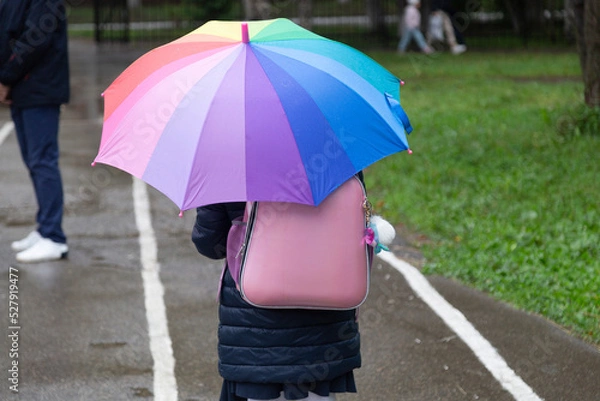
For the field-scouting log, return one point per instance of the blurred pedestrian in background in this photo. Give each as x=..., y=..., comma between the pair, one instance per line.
x=411, y=28
x=442, y=29
x=34, y=81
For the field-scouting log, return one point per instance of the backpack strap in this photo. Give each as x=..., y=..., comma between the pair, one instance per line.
x=236, y=244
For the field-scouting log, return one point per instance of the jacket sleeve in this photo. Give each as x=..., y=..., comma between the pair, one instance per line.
x=412, y=17
x=212, y=226
x=42, y=19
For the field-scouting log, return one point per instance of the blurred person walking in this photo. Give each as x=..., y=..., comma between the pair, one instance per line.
x=34, y=81
x=411, y=28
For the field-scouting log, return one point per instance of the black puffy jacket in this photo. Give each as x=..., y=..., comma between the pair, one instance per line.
x=34, y=51
x=256, y=345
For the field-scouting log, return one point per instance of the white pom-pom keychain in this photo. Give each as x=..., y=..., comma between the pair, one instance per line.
x=380, y=233
x=386, y=232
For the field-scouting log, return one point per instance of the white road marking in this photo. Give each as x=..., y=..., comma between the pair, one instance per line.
x=5, y=131
x=482, y=348
x=165, y=384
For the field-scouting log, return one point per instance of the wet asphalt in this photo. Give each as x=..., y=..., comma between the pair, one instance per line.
x=82, y=332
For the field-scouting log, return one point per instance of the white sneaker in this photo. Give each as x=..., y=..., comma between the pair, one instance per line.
x=43, y=250
x=26, y=242
x=458, y=49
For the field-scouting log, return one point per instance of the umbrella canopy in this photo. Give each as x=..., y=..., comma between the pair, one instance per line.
x=251, y=111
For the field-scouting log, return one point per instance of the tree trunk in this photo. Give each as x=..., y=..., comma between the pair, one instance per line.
x=305, y=13
x=134, y=3
x=425, y=13
x=515, y=15
x=376, y=16
x=248, y=9
x=400, y=4
x=534, y=12
x=569, y=22
x=588, y=44
x=591, y=35
x=257, y=9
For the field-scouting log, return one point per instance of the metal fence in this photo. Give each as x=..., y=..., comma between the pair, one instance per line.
x=362, y=23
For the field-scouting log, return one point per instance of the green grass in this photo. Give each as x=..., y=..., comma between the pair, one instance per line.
x=508, y=205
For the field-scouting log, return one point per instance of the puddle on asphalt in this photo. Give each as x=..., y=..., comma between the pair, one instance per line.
x=142, y=392
x=108, y=344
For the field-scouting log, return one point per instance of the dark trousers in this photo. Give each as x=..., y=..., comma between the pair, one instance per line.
x=37, y=133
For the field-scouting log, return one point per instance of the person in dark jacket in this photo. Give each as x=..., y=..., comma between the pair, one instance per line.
x=34, y=81
x=275, y=354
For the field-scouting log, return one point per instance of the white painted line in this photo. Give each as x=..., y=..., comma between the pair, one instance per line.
x=5, y=131
x=165, y=385
x=482, y=348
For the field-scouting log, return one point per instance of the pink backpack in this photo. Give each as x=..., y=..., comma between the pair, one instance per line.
x=288, y=255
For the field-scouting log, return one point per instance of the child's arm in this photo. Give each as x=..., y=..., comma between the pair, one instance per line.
x=212, y=226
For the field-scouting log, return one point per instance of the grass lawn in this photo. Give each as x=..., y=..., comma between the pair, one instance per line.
x=507, y=204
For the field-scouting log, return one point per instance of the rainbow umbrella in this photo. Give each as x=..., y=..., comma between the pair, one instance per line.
x=251, y=111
